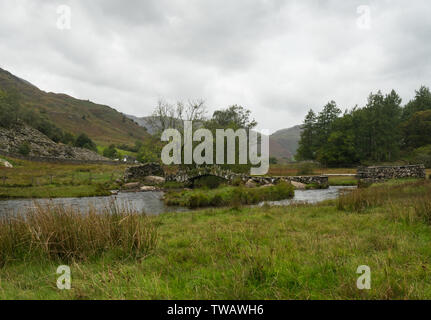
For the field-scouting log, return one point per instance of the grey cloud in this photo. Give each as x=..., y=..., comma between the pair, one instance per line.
x=279, y=58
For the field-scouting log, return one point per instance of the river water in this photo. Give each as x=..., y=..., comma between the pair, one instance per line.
x=150, y=202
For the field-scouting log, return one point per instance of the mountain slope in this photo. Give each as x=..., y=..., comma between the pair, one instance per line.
x=284, y=143
x=145, y=122
x=101, y=123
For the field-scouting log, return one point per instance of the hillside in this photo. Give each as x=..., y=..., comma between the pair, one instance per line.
x=101, y=123
x=284, y=143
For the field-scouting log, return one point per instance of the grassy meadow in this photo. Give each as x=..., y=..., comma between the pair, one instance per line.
x=295, y=252
x=29, y=179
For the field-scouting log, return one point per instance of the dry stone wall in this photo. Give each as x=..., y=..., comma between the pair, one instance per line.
x=383, y=173
x=138, y=173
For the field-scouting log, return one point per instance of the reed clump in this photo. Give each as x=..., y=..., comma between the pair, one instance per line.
x=65, y=234
x=404, y=195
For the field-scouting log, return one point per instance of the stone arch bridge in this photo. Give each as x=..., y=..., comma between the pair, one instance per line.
x=188, y=175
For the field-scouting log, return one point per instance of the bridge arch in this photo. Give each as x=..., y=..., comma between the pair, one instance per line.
x=189, y=175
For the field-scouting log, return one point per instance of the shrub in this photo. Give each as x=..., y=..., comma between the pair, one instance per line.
x=83, y=141
x=209, y=181
x=24, y=149
x=110, y=152
x=306, y=168
x=237, y=181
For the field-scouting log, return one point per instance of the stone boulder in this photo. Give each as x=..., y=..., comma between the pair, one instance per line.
x=298, y=185
x=154, y=180
x=148, y=188
x=5, y=163
x=250, y=184
x=132, y=185
x=139, y=173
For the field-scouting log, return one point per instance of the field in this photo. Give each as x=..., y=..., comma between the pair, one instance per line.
x=49, y=180
x=296, y=252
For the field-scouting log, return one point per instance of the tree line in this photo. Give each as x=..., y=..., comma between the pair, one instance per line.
x=382, y=131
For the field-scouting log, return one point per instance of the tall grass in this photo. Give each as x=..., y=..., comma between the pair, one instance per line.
x=65, y=234
x=399, y=194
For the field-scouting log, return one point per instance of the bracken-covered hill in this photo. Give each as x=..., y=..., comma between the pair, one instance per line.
x=101, y=123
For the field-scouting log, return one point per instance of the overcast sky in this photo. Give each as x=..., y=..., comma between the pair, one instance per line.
x=277, y=58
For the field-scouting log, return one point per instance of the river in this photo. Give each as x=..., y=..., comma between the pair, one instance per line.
x=151, y=202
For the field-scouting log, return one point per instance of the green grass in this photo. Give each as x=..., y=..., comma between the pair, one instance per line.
x=53, y=191
x=342, y=181
x=121, y=152
x=296, y=252
x=228, y=196
x=51, y=180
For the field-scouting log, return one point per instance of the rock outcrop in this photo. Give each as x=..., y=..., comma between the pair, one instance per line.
x=154, y=180
x=12, y=140
x=298, y=185
x=5, y=163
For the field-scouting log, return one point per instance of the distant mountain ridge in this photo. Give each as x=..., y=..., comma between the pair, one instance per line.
x=101, y=123
x=285, y=142
x=146, y=122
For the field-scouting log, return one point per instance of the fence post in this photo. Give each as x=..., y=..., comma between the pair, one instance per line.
x=91, y=177
x=4, y=180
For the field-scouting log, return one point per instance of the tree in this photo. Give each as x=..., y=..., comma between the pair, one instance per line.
x=24, y=149
x=234, y=117
x=324, y=122
x=83, y=141
x=110, y=152
x=149, y=151
x=421, y=102
x=417, y=130
x=9, y=108
x=169, y=116
x=306, y=149
x=378, y=135
x=273, y=160
x=339, y=150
